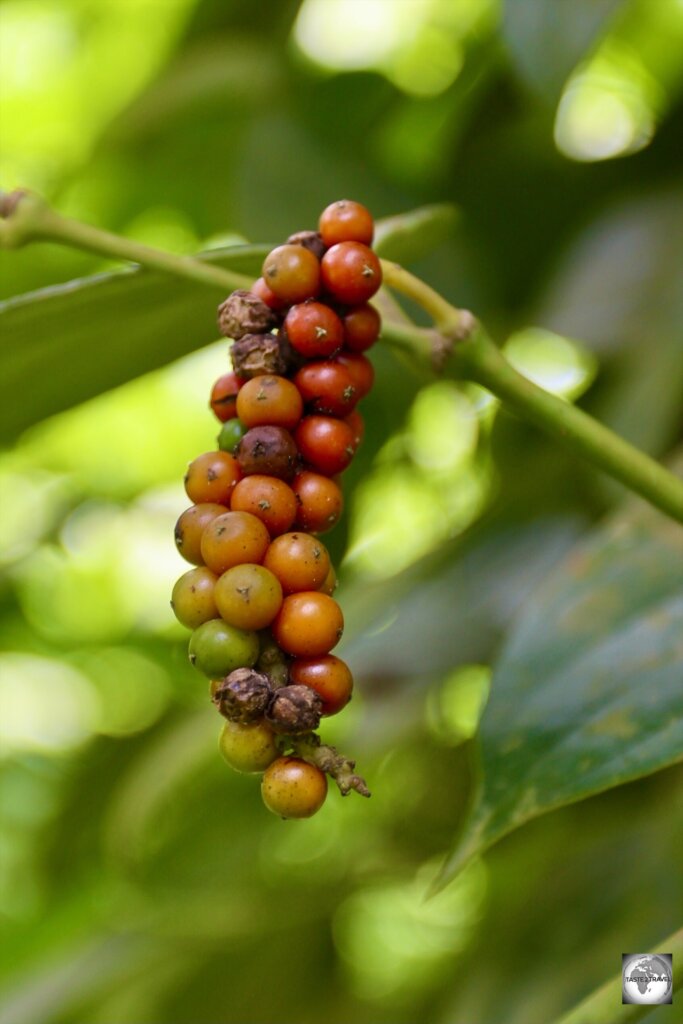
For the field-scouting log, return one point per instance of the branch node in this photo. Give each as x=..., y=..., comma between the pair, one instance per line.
x=440, y=350
x=463, y=327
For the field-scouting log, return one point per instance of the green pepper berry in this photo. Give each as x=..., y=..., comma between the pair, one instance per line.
x=216, y=648
x=230, y=435
x=248, y=748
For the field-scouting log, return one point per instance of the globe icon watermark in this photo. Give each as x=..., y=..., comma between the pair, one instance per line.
x=647, y=978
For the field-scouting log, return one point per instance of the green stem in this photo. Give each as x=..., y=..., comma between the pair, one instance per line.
x=479, y=360
x=25, y=217
x=33, y=220
x=446, y=317
x=604, y=1006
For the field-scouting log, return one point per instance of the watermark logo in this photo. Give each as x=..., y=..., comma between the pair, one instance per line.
x=647, y=978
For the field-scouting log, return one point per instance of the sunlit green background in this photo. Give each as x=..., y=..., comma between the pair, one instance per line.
x=142, y=881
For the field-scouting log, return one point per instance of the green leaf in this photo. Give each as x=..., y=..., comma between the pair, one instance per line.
x=409, y=236
x=468, y=595
x=587, y=692
x=629, y=313
x=64, y=344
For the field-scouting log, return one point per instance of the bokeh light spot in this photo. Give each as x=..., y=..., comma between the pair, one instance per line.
x=395, y=943
x=608, y=107
x=416, y=44
x=555, y=363
x=454, y=708
x=47, y=705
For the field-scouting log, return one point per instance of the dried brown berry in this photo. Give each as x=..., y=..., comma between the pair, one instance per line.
x=243, y=696
x=268, y=450
x=310, y=240
x=257, y=354
x=244, y=313
x=294, y=710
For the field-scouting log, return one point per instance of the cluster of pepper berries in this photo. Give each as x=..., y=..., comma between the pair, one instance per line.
x=259, y=600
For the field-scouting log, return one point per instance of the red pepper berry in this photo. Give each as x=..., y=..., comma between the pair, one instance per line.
x=314, y=330
x=266, y=294
x=223, y=399
x=361, y=327
x=361, y=369
x=346, y=221
x=319, y=499
x=351, y=272
x=327, y=387
x=328, y=676
x=325, y=443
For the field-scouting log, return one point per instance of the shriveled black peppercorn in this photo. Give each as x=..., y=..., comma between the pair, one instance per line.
x=257, y=354
x=244, y=313
x=243, y=696
x=294, y=710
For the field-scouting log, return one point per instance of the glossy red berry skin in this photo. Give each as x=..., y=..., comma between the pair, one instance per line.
x=346, y=221
x=261, y=290
x=357, y=424
x=329, y=676
x=327, y=387
x=351, y=273
x=320, y=501
x=362, y=325
x=314, y=330
x=325, y=443
x=223, y=399
x=361, y=370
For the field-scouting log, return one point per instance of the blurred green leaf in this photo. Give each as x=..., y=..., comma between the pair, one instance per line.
x=409, y=236
x=618, y=289
x=243, y=68
x=67, y=343
x=586, y=694
x=547, y=38
x=466, y=600
x=101, y=962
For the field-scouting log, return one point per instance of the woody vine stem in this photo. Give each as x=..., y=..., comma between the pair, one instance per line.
x=457, y=343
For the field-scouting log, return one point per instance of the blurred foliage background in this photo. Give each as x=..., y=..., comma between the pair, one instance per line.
x=142, y=881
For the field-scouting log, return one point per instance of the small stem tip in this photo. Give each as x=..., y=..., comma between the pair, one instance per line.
x=329, y=760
